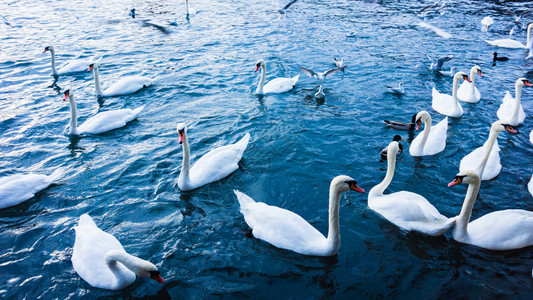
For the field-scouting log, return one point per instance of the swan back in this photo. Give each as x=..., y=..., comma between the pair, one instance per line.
x=15, y=189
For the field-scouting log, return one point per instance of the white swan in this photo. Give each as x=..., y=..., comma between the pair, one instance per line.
x=287, y=230
x=510, y=43
x=500, y=230
x=511, y=111
x=101, y=122
x=486, y=159
x=446, y=104
x=213, y=166
x=432, y=140
x=486, y=22
x=15, y=189
x=468, y=91
x=404, y=209
x=190, y=10
x=125, y=86
x=276, y=85
x=73, y=66
x=100, y=259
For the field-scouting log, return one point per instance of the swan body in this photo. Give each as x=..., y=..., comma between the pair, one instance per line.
x=432, y=140
x=101, y=122
x=15, y=189
x=500, y=230
x=404, y=209
x=446, y=104
x=486, y=159
x=287, y=230
x=73, y=66
x=213, y=166
x=276, y=85
x=511, y=111
x=468, y=91
x=124, y=86
x=100, y=259
x=512, y=44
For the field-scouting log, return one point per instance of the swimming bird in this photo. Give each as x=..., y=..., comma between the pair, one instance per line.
x=321, y=76
x=101, y=122
x=511, y=111
x=396, y=138
x=73, y=66
x=402, y=125
x=339, y=62
x=485, y=160
x=276, y=85
x=448, y=73
x=486, y=22
x=17, y=188
x=468, y=91
x=132, y=13
x=320, y=93
x=446, y=104
x=287, y=230
x=432, y=140
x=396, y=90
x=282, y=10
x=499, y=230
x=498, y=58
x=100, y=260
x=124, y=86
x=404, y=209
x=436, y=64
x=212, y=166
x=436, y=7
x=513, y=44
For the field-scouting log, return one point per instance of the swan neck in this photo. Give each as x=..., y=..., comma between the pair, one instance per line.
x=262, y=80
x=391, y=166
x=425, y=133
x=486, y=153
x=461, y=223
x=184, y=174
x=529, y=41
x=454, y=91
x=73, y=115
x=334, y=237
x=53, y=54
x=187, y=6
x=97, y=86
x=518, y=96
x=132, y=263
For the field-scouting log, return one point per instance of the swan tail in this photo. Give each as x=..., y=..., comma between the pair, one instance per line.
x=244, y=200
x=86, y=220
x=58, y=174
x=243, y=143
x=295, y=79
x=137, y=111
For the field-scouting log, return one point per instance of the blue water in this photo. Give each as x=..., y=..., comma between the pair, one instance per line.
x=125, y=179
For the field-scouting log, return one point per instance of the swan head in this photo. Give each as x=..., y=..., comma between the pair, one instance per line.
x=343, y=183
x=468, y=177
x=92, y=66
x=523, y=81
x=182, y=131
x=461, y=75
x=477, y=69
x=49, y=48
x=66, y=95
x=150, y=271
x=421, y=117
x=499, y=126
x=260, y=64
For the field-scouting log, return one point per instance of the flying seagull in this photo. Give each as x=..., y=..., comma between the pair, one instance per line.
x=437, y=64
x=282, y=11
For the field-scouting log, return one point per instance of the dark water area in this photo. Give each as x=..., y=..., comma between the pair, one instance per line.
x=204, y=69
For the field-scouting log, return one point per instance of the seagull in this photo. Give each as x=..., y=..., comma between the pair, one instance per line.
x=437, y=64
x=450, y=73
x=438, y=5
x=396, y=91
x=486, y=22
x=496, y=58
x=339, y=63
x=320, y=94
x=321, y=76
x=282, y=10
x=144, y=22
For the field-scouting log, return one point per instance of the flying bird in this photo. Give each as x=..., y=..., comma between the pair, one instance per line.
x=436, y=64
x=282, y=10
x=320, y=77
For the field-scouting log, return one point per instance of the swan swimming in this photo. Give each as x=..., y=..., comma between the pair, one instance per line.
x=468, y=91
x=17, y=188
x=446, y=104
x=513, y=44
x=73, y=66
x=276, y=85
x=511, y=111
x=432, y=140
x=124, y=86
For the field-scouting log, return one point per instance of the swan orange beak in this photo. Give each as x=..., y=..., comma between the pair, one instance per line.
x=510, y=129
x=418, y=124
x=181, y=136
x=257, y=68
x=67, y=92
x=155, y=276
x=465, y=77
x=355, y=187
x=528, y=83
x=479, y=73
x=90, y=68
x=456, y=181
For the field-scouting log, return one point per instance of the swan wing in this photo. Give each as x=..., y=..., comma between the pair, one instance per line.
x=506, y=111
x=88, y=255
x=281, y=228
x=128, y=85
x=502, y=230
x=436, y=141
x=109, y=120
x=507, y=43
x=16, y=189
x=279, y=85
x=492, y=167
x=74, y=66
x=464, y=93
x=443, y=103
x=218, y=163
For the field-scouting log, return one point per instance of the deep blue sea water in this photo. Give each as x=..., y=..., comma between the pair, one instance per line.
x=126, y=179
